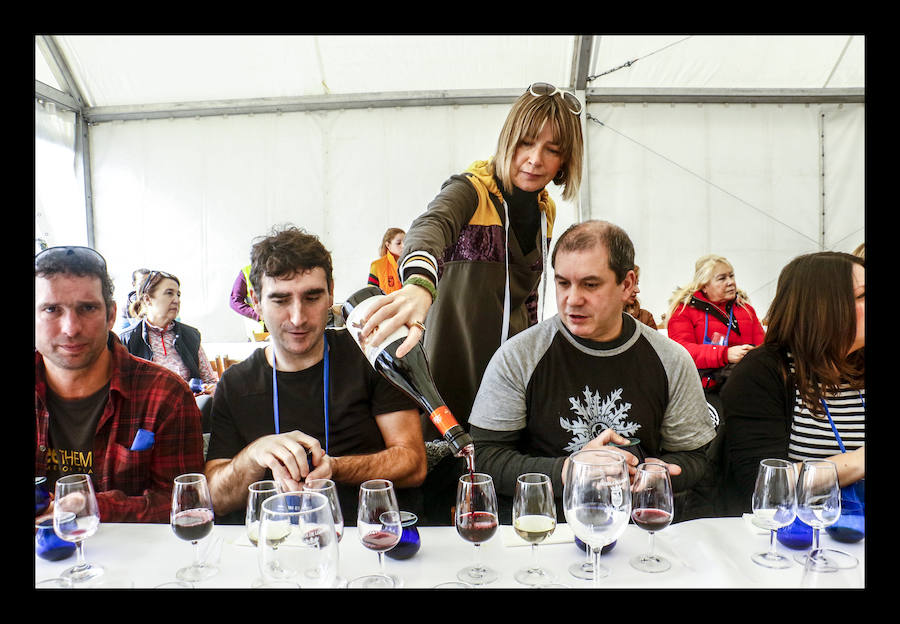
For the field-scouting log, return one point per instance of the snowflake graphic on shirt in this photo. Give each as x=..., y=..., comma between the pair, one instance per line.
x=594, y=415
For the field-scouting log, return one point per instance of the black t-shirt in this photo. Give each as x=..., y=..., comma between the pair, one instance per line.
x=72, y=427
x=243, y=408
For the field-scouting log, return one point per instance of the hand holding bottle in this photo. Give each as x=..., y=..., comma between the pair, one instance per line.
x=401, y=308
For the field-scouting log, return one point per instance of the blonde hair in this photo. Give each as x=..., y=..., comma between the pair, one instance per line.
x=525, y=120
x=704, y=271
x=387, y=238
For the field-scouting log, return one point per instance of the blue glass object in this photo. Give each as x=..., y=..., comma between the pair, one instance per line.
x=48, y=545
x=41, y=495
x=196, y=385
x=410, y=542
x=851, y=526
x=603, y=550
x=797, y=535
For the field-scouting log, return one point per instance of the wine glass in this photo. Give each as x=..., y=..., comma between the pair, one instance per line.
x=652, y=506
x=534, y=519
x=75, y=518
x=819, y=506
x=328, y=489
x=476, y=522
x=596, y=499
x=774, y=506
x=297, y=541
x=192, y=520
x=379, y=526
x=257, y=493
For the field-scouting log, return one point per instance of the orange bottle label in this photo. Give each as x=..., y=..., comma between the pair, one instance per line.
x=443, y=419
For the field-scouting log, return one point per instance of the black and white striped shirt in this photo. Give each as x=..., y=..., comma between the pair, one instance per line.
x=813, y=438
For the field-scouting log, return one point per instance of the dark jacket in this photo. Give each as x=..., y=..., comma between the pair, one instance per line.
x=187, y=344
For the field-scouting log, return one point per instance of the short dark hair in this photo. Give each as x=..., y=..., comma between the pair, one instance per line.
x=593, y=233
x=79, y=261
x=287, y=251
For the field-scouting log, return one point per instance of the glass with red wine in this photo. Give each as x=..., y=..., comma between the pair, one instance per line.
x=192, y=519
x=476, y=522
x=379, y=526
x=652, y=508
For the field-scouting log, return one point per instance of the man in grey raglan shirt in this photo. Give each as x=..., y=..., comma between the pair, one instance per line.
x=589, y=376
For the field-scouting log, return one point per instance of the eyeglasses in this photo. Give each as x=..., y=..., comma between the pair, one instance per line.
x=545, y=88
x=152, y=279
x=69, y=252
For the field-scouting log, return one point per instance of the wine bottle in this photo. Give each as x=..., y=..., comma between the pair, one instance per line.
x=410, y=374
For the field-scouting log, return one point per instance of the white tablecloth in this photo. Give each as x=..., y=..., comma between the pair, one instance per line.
x=706, y=553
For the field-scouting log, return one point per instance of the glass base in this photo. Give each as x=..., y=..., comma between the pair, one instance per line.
x=372, y=581
x=650, y=563
x=195, y=573
x=827, y=560
x=585, y=571
x=534, y=576
x=82, y=573
x=477, y=575
x=771, y=560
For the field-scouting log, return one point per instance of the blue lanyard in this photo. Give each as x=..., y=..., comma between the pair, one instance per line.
x=727, y=332
x=831, y=421
x=324, y=383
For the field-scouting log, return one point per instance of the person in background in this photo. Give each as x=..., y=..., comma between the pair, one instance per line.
x=473, y=261
x=137, y=276
x=713, y=320
x=273, y=413
x=133, y=426
x=160, y=338
x=633, y=305
x=383, y=271
x=590, y=376
x=241, y=301
x=801, y=395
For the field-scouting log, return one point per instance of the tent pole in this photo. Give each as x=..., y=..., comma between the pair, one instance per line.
x=821, y=181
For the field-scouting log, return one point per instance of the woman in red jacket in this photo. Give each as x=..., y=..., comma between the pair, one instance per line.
x=713, y=320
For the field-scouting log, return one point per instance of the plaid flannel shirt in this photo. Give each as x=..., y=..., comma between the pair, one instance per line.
x=133, y=486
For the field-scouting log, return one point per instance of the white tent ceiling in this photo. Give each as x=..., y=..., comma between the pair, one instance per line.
x=695, y=144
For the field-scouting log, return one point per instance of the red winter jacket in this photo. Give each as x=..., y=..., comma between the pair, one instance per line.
x=702, y=318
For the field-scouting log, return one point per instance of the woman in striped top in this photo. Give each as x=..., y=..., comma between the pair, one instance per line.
x=802, y=394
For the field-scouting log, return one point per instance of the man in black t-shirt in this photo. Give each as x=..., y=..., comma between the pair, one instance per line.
x=291, y=423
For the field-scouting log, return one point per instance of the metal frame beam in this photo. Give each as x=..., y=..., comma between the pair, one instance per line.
x=462, y=97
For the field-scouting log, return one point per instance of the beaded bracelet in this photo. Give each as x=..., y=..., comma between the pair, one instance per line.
x=425, y=283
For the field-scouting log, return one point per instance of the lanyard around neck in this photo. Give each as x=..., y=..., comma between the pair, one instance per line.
x=831, y=421
x=727, y=332
x=325, y=384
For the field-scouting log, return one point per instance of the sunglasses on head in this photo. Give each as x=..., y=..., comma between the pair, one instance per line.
x=153, y=278
x=545, y=88
x=70, y=252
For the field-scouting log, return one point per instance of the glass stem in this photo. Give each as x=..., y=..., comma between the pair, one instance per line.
x=815, y=538
x=650, y=554
x=79, y=548
x=772, y=543
x=534, y=563
x=477, y=566
x=381, y=564
x=595, y=553
x=197, y=562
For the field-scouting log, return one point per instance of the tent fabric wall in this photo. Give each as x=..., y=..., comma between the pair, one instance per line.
x=189, y=196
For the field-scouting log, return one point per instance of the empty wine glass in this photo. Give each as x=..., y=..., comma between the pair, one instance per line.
x=819, y=506
x=192, y=520
x=476, y=522
x=534, y=519
x=297, y=541
x=774, y=506
x=596, y=499
x=257, y=493
x=652, y=506
x=75, y=518
x=379, y=526
x=328, y=489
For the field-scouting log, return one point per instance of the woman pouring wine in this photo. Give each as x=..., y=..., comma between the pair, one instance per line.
x=472, y=262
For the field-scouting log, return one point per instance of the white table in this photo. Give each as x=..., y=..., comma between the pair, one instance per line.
x=706, y=553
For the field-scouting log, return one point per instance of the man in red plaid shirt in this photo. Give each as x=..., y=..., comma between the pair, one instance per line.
x=132, y=425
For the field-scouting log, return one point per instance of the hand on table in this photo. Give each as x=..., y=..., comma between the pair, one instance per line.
x=402, y=307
